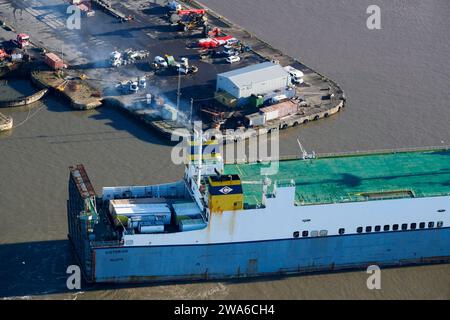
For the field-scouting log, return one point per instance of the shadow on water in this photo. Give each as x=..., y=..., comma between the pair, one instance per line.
x=15, y=88
x=122, y=121
x=34, y=268
x=111, y=116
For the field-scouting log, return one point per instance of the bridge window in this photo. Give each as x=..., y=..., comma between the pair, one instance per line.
x=422, y=225
x=305, y=233
x=359, y=229
x=431, y=224
x=395, y=227
x=341, y=231
x=440, y=224
x=296, y=234
x=377, y=228
x=386, y=227
x=369, y=229
x=404, y=226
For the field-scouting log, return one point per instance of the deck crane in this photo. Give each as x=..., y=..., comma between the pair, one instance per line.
x=305, y=155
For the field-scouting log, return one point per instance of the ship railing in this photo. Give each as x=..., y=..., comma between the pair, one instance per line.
x=382, y=151
x=343, y=154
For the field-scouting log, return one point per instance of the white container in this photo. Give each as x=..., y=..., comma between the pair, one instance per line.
x=169, y=113
x=148, y=97
x=16, y=57
x=151, y=229
x=138, y=210
x=256, y=119
x=192, y=224
x=270, y=113
x=279, y=98
x=188, y=209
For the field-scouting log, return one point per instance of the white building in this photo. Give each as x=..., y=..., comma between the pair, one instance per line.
x=258, y=79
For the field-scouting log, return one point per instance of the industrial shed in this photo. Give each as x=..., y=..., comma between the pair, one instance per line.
x=253, y=80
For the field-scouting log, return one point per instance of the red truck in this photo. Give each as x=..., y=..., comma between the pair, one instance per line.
x=201, y=12
x=210, y=43
x=22, y=40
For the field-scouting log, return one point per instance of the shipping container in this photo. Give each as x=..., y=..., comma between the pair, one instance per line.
x=256, y=119
x=256, y=101
x=279, y=110
x=53, y=61
x=140, y=210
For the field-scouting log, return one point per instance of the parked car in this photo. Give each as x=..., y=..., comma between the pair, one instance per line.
x=142, y=83
x=230, y=52
x=233, y=59
x=134, y=86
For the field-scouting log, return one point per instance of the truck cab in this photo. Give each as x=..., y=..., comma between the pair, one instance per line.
x=22, y=40
x=296, y=75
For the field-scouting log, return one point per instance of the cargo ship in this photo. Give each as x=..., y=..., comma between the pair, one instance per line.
x=226, y=221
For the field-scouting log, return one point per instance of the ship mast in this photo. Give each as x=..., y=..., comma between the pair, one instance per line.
x=200, y=155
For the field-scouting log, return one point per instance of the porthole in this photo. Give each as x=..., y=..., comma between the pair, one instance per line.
x=341, y=231
x=404, y=226
x=377, y=228
x=386, y=227
x=413, y=226
x=369, y=229
x=431, y=224
x=296, y=234
x=305, y=233
x=422, y=225
x=359, y=229
x=440, y=224
x=395, y=227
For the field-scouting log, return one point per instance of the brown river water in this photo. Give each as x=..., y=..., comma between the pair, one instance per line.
x=397, y=82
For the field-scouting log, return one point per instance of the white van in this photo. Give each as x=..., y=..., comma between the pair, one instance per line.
x=296, y=75
x=278, y=99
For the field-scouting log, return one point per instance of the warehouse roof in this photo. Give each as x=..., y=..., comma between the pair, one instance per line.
x=258, y=72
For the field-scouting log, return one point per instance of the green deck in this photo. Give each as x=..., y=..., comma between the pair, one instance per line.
x=354, y=178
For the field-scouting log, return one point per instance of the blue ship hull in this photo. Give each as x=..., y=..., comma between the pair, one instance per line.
x=264, y=258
